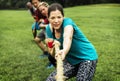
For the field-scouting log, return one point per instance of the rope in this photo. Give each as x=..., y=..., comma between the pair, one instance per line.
x=59, y=76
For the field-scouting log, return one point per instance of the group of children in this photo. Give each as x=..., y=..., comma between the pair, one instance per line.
x=78, y=54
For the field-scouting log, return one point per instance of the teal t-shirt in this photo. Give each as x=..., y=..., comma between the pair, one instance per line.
x=81, y=48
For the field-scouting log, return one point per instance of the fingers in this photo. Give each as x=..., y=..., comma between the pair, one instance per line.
x=57, y=54
x=57, y=42
x=60, y=54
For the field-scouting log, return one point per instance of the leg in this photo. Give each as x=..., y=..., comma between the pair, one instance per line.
x=34, y=32
x=40, y=41
x=52, y=60
x=86, y=71
x=35, y=27
x=69, y=71
x=51, y=77
x=41, y=44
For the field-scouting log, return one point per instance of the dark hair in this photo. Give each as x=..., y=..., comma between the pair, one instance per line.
x=31, y=0
x=54, y=7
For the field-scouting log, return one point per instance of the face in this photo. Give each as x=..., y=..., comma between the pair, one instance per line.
x=35, y=3
x=56, y=19
x=43, y=10
x=29, y=5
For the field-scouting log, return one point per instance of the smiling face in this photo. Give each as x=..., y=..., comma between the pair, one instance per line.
x=43, y=10
x=56, y=19
x=35, y=3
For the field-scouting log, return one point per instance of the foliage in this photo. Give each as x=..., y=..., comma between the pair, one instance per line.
x=19, y=55
x=15, y=4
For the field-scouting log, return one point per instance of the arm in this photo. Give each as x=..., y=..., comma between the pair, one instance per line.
x=51, y=49
x=43, y=23
x=68, y=34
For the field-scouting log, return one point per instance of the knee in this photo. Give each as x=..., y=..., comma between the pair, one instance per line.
x=37, y=40
x=33, y=30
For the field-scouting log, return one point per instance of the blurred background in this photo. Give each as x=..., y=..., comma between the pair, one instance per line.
x=20, y=4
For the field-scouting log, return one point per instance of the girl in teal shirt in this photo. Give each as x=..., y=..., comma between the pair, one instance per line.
x=77, y=52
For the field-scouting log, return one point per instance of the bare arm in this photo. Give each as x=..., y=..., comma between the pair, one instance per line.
x=50, y=45
x=43, y=26
x=68, y=34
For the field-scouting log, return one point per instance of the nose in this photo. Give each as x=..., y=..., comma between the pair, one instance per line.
x=56, y=19
x=35, y=5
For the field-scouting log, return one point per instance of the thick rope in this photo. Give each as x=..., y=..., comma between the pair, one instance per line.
x=59, y=76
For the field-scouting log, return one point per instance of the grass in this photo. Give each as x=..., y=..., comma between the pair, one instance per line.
x=19, y=55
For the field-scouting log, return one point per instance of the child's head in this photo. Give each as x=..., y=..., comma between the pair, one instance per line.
x=35, y=2
x=43, y=8
x=29, y=5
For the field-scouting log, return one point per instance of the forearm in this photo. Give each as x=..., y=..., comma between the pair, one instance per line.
x=51, y=51
x=43, y=26
x=67, y=39
x=66, y=45
x=50, y=46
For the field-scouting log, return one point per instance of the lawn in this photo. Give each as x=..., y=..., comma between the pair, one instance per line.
x=19, y=55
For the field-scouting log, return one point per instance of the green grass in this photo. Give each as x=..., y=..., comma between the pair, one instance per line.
x=19, y=55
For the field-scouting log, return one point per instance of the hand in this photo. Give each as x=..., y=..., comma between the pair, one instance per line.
x=61, y=53
x=34, y=16
x=41, y=21
x=50, y=46
x=41, y=25
x=49, y=40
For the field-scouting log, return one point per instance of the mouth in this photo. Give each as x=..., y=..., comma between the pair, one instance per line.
x=56, y=25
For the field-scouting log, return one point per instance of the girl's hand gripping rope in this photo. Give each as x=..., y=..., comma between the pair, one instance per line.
x=59, y=57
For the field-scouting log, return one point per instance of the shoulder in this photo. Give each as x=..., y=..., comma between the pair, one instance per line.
x=67, y=21
x=48, y=28
x=48, y=31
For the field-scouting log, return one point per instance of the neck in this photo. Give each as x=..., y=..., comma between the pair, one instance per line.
x=58, y=30
x=57, y=33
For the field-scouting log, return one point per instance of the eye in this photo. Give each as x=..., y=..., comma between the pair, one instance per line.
x=59, y=17
x=43, y=9
x=52, y=18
